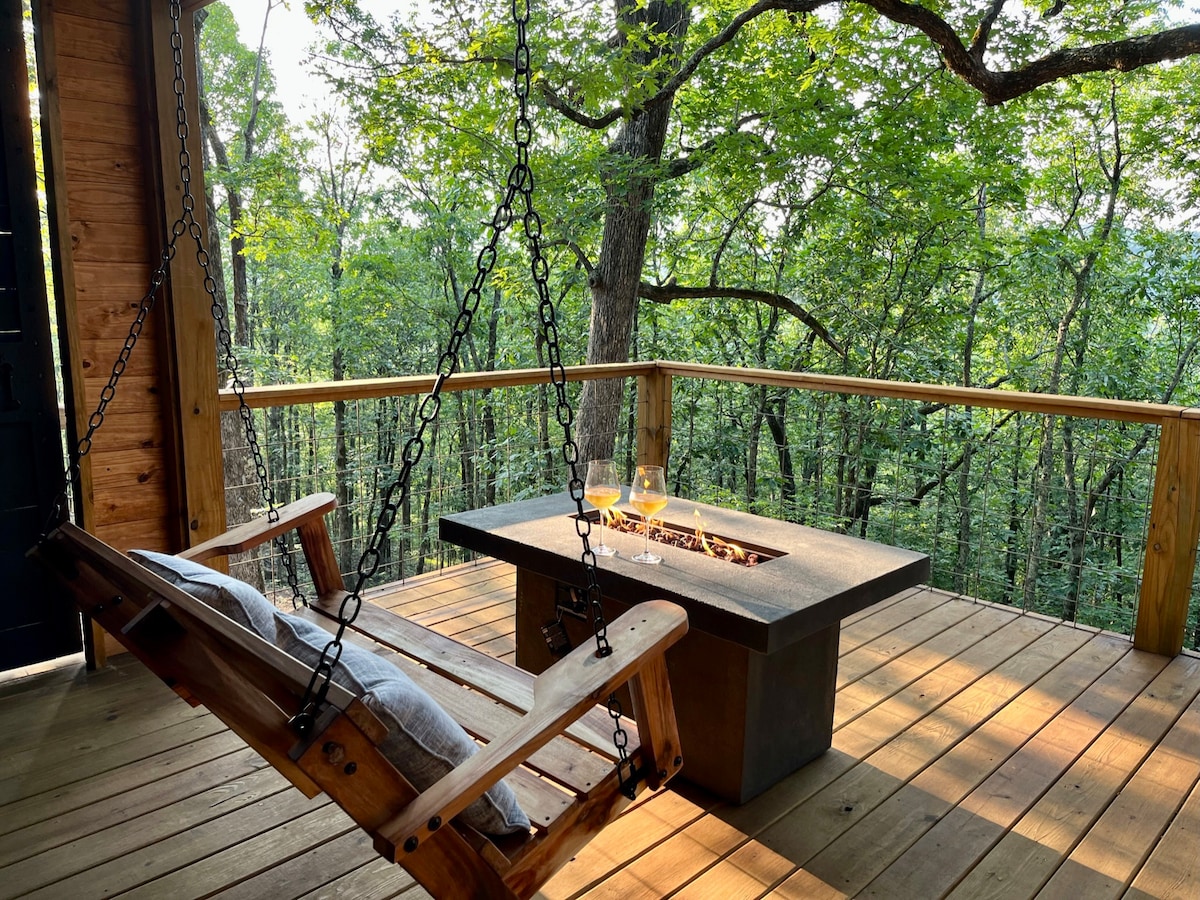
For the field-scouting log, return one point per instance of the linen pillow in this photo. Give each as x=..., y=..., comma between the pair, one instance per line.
x=232, y=598
x=423, y=742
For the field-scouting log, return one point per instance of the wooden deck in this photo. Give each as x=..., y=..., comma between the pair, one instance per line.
x=977, y=753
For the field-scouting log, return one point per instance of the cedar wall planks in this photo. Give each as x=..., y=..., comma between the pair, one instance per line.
x=154, y=476
x=102, y=162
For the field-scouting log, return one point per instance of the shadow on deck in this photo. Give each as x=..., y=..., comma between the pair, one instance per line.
x=977, y=752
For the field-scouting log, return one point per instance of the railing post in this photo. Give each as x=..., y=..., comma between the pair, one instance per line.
x=654, y=419
x=1170, y=560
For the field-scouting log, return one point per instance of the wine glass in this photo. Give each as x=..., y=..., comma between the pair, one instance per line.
x=602, y=489
x=648, y=495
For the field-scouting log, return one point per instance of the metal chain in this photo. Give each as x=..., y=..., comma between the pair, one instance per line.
x=522, y=134
x=396, y=494
x=185, y=224
x=520, y=180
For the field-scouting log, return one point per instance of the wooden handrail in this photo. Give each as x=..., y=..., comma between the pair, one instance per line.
x=372, y=388
x=994, y=398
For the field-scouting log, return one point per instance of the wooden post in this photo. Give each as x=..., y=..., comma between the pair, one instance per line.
x=1170, y=560
x=654, y=419
x=193, y=402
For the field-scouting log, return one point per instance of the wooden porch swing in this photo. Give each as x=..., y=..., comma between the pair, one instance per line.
x=572, y=764
x=545, y=733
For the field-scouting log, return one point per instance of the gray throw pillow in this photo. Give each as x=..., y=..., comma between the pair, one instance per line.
x=423, y=742
x=232, y=598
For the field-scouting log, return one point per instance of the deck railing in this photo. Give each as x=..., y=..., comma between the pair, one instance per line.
x=1084, y=508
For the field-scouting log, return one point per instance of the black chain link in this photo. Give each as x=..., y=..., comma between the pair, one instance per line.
x=520, y=180
x=185, y=224
x=522, y=133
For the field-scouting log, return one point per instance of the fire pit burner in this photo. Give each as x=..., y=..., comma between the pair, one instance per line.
x=696, y=539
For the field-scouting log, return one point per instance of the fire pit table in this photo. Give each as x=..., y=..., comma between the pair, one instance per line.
x=754, y=679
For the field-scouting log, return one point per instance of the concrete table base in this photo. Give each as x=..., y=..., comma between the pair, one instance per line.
x=746, y=719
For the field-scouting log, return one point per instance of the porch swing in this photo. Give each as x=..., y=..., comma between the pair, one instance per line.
x=345, y=714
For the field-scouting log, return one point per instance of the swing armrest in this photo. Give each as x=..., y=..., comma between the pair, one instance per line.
x=307, y=516
x=258, y=531
x=562, y=694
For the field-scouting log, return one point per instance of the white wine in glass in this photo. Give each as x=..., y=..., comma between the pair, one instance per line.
x=602, y=489
x=648, y=495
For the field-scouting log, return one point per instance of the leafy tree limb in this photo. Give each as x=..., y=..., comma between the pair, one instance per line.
x=666, y=293
x=1000, y=86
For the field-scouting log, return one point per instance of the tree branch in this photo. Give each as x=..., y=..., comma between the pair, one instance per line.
x=698, y=156
x=727, y=34
x=666, y=293
x=685, y=72
x=557, y=103
x=984, y=31
x=581, y=257
x=940, y=479
x=999, y=87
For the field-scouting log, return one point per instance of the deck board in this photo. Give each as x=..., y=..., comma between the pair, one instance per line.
x=1173, y=869
x=977, y=753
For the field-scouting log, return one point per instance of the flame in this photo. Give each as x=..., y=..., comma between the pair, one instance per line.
x=701, y=542
x=705, y=547
x=612, y=517
x=715, y=546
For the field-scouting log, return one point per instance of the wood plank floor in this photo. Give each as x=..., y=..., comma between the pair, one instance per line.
x=978, y=753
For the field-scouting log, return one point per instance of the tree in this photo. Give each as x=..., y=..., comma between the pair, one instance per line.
x=244, y=135
x=647, y=80
x=236, y=99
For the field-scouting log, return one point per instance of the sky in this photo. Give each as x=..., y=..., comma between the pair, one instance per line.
x=289, y=34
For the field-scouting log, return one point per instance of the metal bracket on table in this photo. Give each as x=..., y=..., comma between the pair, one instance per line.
x=568, y=601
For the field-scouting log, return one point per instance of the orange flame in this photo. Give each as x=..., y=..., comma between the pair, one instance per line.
x=612, y=517
x=705, y=546
x=715, y=546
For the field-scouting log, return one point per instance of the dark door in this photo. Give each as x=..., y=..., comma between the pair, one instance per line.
x=35, y=623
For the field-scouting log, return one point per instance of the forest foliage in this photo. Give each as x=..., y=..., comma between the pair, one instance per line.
x=829, y=198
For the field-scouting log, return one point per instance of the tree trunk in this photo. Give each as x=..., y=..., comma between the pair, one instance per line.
x=756, y=423
x=1082, y=277
x=343, y=521
x=776, y=415
x=405, y=501
x=1012, y=544
x=963, y=557
x=468, y=444
x=491, y=456
x=629, y=179
x=424, y=546
x=212, y=141
x=545, y=448
x=242, y=492
x=387, y=424
x=813, y=466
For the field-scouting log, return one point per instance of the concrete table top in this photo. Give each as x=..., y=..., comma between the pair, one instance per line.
x=820, y=579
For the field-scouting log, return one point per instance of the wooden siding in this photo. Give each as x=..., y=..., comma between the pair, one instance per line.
x=107, y=241
x=154, y=476
x=978, y=753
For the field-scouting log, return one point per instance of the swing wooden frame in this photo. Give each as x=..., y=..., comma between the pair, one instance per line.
x=545, y=734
